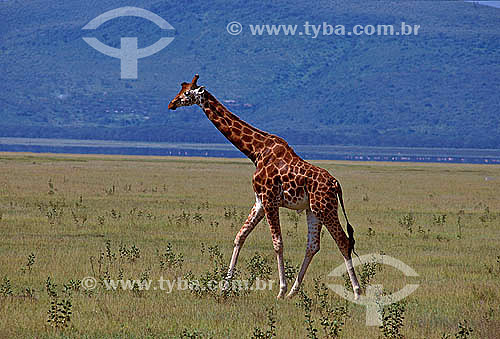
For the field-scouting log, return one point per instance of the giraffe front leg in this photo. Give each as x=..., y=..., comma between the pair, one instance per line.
x=255, y=216
x=274, y=224
x=278, y=248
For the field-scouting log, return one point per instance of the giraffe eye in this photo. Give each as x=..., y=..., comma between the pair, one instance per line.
x=187, y=93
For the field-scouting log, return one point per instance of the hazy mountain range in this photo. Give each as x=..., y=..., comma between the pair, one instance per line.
x=440, y=88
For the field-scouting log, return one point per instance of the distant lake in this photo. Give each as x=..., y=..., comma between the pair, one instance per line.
x=487, y=3
x=317, y=152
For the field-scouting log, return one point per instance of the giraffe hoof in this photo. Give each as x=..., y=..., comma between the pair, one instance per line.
x=357, y=292
x=282, y=293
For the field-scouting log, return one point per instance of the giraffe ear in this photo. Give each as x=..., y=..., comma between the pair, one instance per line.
x=195, y=78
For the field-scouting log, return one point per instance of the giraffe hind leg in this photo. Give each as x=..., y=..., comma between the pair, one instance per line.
x=325, y=208
x=313, y=245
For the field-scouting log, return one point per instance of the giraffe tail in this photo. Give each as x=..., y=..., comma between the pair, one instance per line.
x=350, y=229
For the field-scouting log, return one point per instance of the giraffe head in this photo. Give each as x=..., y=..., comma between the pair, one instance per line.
x=188, y=95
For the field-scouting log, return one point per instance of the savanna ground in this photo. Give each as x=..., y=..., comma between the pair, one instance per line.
x=63, y=218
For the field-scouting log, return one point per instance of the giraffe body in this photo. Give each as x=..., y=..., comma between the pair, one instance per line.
x=281, y=179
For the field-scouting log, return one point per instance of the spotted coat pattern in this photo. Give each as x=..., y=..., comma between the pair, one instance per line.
x=281, y=179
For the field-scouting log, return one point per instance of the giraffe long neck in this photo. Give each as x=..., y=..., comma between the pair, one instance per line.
x=241, y=134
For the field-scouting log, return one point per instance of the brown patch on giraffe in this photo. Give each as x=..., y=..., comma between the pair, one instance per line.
x=267, y=159
x=269, y=143
x=224, y=129
x=259, y=137
x=288, y=157
x=238, y=143
x=258, y=144
x=271, y=172
x=227, y=122
x=279, y=151
x=247, y=138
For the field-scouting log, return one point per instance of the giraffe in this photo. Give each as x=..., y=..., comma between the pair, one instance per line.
x=281, y=179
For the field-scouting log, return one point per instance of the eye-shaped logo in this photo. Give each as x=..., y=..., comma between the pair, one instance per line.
x=374, y=300
x=128, y=53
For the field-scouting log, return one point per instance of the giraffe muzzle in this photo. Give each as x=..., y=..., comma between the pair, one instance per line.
x=172, y=106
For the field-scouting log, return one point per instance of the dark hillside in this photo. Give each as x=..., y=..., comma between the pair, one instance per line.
x=438, y=89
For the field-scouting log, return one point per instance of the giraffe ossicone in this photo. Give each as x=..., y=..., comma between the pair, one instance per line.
x=281, y=179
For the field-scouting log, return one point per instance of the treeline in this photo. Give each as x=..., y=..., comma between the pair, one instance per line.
x=191, y=134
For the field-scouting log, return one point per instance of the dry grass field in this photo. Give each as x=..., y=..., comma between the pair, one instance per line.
x=67, y=217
